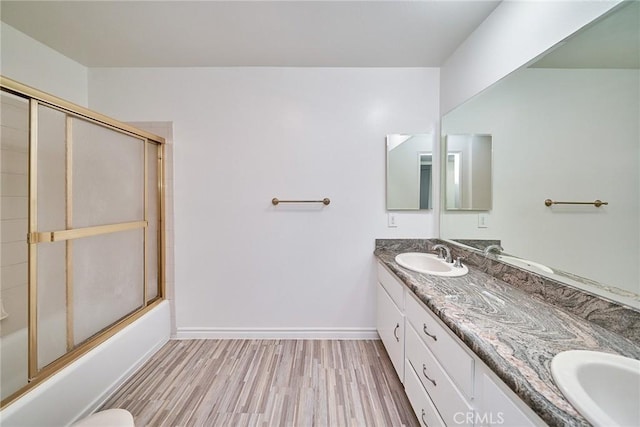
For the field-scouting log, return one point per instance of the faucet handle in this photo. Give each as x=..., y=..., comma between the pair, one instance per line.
x=458, y=262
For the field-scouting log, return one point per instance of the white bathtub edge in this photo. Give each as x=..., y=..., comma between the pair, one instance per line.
x=87, y=383
x=102, y=399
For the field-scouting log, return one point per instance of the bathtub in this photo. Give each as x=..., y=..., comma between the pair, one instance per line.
x=13, y=349
x=83, y=386
x=13, y=362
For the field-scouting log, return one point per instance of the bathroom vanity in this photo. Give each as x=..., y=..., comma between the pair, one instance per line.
x=476, y=351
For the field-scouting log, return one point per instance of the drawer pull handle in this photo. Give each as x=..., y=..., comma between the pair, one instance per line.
x=424, y=329
x=424, y=372
x=395, y=332
x=423, y=421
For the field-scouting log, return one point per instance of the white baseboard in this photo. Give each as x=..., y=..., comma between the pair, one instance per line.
x=278, y=333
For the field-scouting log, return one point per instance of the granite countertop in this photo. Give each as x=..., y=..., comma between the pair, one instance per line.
x=511, y=331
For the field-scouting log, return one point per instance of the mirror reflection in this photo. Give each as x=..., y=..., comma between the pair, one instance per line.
x=409, y=171
x=468, y=172
x=565, y=128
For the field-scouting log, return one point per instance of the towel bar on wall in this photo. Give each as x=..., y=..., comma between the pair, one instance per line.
x=277, y=201
x=596, y=203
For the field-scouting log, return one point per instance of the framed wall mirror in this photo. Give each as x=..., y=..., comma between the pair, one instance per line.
x=467, y=172
x=409, y=171
x=565, y=128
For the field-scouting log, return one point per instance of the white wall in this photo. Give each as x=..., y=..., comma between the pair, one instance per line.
x=30, y=62
x=245, y=135
x=514, y=34
x=564, y=135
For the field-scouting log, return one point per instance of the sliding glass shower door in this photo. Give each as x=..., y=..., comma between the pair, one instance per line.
x=93, y=230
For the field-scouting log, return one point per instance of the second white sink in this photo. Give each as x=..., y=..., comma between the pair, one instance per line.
x=421, y=262
x=603, y=387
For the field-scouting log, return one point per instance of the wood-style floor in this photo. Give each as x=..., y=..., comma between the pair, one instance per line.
x=266, y=383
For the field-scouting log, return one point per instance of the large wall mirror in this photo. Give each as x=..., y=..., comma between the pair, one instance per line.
x=409, y=171
x=565, y=128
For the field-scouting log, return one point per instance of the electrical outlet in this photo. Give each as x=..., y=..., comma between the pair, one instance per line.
x=392, y=220
x=483, y=220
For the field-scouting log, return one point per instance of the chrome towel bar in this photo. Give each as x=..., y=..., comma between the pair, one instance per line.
x=277, y=201
x=596, y=203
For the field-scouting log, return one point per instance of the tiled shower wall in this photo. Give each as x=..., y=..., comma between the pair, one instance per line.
x=14, y=114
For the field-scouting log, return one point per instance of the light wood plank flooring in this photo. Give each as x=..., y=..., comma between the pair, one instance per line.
x=266, y=383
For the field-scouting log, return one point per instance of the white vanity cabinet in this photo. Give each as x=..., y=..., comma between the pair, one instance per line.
x=440, y=364
x=390, y=318
x=446, y=383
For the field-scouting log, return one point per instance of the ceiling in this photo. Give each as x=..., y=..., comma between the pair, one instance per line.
x=329, y=33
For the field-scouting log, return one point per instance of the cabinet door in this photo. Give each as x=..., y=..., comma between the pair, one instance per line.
x=497, y=407
x=390, y=325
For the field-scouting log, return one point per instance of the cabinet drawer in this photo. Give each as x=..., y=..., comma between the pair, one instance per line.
x=455, y=361
x=390, y=325
x=420, y=401
x=394, y=288
x=451, y=404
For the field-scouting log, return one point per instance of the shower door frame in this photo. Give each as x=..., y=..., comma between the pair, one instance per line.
x=34, y=236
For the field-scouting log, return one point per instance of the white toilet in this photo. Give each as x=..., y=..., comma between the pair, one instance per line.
x=107, y=418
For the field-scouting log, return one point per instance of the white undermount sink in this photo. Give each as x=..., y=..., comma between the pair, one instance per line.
x=603, y=387
x=421, y=262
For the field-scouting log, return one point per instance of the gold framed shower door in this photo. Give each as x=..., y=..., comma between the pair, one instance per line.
x=69, y=235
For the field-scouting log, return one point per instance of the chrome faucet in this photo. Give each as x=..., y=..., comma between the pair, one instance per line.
x=440, y=249
x=493, y=249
